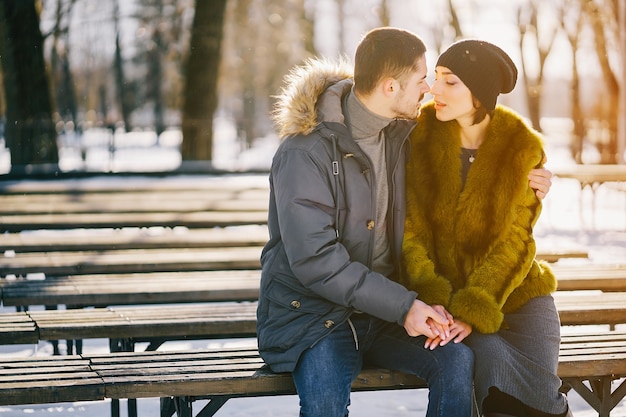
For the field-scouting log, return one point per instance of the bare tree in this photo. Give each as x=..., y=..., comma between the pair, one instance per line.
x=603, y=17
x=571, y=17
x=383, y=13
x=157, y=57
x=621, y=128
x=61, y=75
x=201, y=98
x=307, y=24
x=542, y=43
x=124, y=89
x=454, y=21
x=155, y=72
x=29, y=132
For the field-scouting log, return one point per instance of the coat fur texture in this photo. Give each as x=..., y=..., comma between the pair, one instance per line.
x=472, y=250
x=296, y=109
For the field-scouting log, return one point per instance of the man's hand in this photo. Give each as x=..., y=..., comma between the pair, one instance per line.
x=423, y=319
x=540, y=179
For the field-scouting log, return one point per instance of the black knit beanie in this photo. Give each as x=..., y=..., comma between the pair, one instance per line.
x=483, y=67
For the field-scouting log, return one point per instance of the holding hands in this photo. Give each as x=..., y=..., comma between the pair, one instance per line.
x=436, y=323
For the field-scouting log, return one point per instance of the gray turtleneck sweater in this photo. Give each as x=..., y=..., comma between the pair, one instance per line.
x=367, y=130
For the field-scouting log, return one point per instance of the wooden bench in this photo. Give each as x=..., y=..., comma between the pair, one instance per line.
x=180, y=378
x=126, y=326
x=202, y=201
x=587, y=308
x=591, y=277
x=144, y=201
x=176, y=237
x=131, y=260
x=593, y=176
x=141, y=288
x=77, y=292
x=61, y=263
x=133, y=238
x=160, y=323
x=20, y=222
x=216, y=285
x=101, y=275
x=199, y=202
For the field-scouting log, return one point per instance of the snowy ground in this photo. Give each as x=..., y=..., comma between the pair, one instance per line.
x=567, y=222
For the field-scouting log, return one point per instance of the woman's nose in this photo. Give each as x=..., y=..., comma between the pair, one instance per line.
x=434, y=87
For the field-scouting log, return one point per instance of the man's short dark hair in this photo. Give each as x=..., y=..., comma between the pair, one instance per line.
x=385, y=52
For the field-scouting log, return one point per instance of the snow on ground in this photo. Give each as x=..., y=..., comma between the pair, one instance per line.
x=568, y=222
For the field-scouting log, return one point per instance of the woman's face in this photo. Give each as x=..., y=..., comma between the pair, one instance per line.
x=453, y=100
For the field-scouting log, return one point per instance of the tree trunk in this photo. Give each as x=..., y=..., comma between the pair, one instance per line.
x=123, y=93
x=30, y=132
x=527, y=19
x=608, y=150
x=572, y=23
x=201, y=80
x=156, y=74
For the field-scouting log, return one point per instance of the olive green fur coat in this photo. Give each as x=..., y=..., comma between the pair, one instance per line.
x=472, y=250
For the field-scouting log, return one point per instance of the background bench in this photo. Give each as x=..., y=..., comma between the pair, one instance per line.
x=136, y=204
x=226, y=319
x=119, y=236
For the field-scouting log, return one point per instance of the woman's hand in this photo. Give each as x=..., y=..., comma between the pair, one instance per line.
x=459, y=330
x=540, y=180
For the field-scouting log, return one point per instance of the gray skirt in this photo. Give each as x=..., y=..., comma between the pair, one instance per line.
x=522, y=359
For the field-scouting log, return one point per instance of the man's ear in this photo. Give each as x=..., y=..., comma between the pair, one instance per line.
x=390, y=86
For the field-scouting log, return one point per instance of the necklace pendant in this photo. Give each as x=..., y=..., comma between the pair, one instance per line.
x=471, y=158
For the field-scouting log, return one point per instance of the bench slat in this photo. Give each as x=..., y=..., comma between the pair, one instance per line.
x=576, y=308
x=139, y=201
x=140, y=260
x=48, y=380
x=103, y=290
x=134, y=239
x=80, y=220
x=591, y=277
x=218, y=372
x=239, y=319
x=213, y=320
x=202, y=183
x=17, y=328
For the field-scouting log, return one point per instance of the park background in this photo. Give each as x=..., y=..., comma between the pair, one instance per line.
x=119, y=102
x=178, y=67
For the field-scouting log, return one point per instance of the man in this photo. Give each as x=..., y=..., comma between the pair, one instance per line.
x=329, y=298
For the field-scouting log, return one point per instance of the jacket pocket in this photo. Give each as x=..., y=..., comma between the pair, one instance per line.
x=294, y=318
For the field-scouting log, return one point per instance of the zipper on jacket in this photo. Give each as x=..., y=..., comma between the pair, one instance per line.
x=336, y=175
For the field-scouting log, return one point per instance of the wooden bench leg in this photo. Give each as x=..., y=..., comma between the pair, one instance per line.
x=213, y=406
x=182, y=406
x=179, y=406
x=599, y=396
x=167, y=407
x=132, y=407
x=70, y=346
x=120, y=345
x=115, y=408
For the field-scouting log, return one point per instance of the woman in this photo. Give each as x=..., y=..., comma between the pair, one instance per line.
x=469, y=243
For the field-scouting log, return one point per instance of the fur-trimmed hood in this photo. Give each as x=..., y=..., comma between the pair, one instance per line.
x=298, y=109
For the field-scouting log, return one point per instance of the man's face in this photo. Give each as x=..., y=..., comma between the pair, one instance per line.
x=408, y=100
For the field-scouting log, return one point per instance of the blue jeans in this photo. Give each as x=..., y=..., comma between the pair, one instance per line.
x=324, y=373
